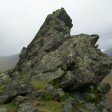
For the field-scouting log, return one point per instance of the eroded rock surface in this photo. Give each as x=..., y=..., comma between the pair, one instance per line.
x=55, y=55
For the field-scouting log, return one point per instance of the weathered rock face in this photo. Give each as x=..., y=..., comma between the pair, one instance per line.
x=15, y=88
x=70, y=60
x=27, y=108
x=54, y=31
x=71, y=63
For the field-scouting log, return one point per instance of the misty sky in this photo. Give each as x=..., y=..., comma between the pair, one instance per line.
x=21, y=19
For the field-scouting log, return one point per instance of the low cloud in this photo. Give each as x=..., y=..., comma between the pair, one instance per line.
x=21, y=19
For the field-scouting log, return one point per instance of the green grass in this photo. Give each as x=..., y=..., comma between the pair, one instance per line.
x=95, y=93
x=38, y=85
x=47, y=97
x=1, y=72
x=2, y=87
x=10, y=107
x=52, y=106
x=90, y=93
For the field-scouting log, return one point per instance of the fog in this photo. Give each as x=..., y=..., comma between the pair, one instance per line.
x=20, y=20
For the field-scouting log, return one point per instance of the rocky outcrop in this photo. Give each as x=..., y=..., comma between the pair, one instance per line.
x=55, y=55
x=72, y=63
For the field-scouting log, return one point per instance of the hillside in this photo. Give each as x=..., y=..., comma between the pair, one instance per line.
x=108, y=52
x=8, y=62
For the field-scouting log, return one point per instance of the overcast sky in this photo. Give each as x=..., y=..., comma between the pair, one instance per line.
x=21, y=19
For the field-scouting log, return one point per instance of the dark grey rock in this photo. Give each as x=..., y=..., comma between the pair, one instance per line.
x=68, y=106
x=70, y=61
x=104, y=88
x=50, y=89
x=82, y=110
x=59, y=95
x=76, y=56
x=109, y=110
x=105, y=110
x=20, y=99
x=94, y=39
x=101, y=105
x=15, y=88
x=90, y=106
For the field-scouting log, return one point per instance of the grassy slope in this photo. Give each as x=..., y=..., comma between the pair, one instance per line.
x=108, y=52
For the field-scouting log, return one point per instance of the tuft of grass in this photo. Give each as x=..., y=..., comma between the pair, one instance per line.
x=38, y=85
x=94, y=92
x=53, y=106
x=47, y=96
x=1, y=72
x=10, y=107
x=2, y=87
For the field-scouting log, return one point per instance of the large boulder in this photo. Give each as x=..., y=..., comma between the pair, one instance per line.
x=13, y=89
x=65, y=61
x=104, y=88
x=74, y=63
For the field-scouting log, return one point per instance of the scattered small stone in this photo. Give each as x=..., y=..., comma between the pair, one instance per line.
x=3, y=110
x=27, y=107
